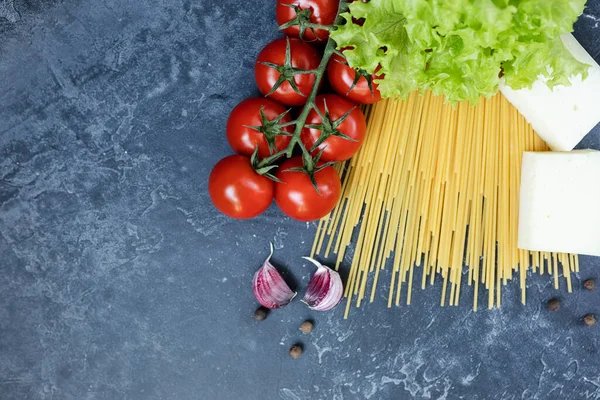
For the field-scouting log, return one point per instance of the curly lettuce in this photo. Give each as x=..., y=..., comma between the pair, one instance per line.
x=458, y=48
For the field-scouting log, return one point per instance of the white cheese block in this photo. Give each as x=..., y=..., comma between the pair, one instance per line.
x=560, y=202
x=564, y=115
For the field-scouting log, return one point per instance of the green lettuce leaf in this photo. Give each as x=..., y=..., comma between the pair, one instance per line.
x=457, y=48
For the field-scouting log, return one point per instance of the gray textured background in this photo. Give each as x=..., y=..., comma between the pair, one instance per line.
x=118, y=280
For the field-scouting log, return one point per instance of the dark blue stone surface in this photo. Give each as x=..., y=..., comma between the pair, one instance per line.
x=118, y=280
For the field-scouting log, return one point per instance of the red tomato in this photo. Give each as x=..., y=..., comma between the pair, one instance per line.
x=303, y=56
x=323, y=12
x=297, y=197
x=341, y=77
x=336, y=148
x=243, y=139
x=237, y=190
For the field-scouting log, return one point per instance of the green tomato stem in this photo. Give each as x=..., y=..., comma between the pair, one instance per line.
x=310, y=101
x=330, y=49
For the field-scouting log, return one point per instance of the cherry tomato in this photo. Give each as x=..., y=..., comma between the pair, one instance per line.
x=296, y=196
x=303, y=56
x=341, y=77
x=323, y=12
x=244, y=140
x=237, y=190
x=336, y=148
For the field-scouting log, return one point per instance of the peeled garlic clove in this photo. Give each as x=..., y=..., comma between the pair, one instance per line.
x=269, y=288
x=325, y=288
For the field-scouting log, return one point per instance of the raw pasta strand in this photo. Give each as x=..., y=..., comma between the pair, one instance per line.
x=437, y=188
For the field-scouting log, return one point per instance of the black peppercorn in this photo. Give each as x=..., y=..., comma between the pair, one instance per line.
x=296, y=351
x=553, y=305
x=261, y=313
x=306, y=327
x=589, y=320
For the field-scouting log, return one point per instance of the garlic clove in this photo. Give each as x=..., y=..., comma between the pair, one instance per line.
x=269, y=288
x=325, y=288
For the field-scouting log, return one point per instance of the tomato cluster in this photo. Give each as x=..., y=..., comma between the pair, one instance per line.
x=330, y=128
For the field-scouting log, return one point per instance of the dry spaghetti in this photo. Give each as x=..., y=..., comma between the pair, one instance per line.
x=435, y=189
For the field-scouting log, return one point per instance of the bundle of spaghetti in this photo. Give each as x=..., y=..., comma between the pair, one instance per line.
x=434, y=192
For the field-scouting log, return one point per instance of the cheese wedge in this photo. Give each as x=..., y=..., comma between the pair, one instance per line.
x=564, y=115
x=560, y=202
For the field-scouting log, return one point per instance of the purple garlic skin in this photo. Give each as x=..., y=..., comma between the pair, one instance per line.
x=269, y=288
x=325, y=288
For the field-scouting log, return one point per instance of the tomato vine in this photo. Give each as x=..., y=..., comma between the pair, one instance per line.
x=287, y=74
x=328, y=128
